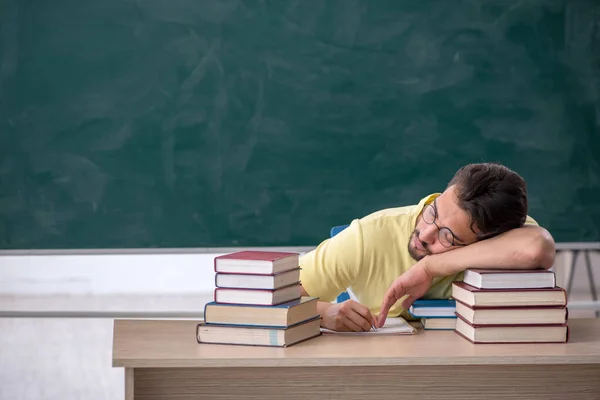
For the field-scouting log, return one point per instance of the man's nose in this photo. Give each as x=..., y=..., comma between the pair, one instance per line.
x=428, y=234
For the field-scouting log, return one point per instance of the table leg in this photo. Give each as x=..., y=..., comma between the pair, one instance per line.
x=591, y=280
x=565, y=267
x=572, y=271
x=128, y=383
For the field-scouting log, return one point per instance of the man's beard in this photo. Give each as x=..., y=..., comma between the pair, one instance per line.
x=413, y=251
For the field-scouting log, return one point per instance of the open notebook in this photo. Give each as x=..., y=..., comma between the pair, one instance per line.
x=392, y=326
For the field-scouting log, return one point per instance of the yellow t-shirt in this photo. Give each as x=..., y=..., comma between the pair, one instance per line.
x=367, y=257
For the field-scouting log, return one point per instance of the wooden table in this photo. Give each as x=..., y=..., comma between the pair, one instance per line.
x=162, y=360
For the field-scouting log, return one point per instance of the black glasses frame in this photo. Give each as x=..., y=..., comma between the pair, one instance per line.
x=440, y=236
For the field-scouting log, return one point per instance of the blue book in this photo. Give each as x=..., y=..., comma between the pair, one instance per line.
x=433, y=308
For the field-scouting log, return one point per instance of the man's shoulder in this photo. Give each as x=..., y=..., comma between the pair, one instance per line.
x=398, y=213
x=392, y=213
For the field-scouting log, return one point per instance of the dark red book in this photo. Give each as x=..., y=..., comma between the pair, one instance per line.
x=512, y=315
x=258, y=296
x=257, y=281
x=256, y=262
x=509, y=278
x=475, y=297
x=531, y=333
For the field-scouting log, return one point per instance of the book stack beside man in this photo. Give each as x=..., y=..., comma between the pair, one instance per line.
x=257, y=301
x=511, y=306
x=435, y=314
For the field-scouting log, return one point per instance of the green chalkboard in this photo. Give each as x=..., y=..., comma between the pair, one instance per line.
x=196, y=123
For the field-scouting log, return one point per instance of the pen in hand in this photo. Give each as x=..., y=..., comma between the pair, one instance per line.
x=374, y=323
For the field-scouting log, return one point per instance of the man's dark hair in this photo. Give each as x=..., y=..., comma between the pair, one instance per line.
x=494, y=196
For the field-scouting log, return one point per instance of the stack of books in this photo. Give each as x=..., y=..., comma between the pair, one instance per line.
x=257, y=301
x=511, y=306
x=435, y=314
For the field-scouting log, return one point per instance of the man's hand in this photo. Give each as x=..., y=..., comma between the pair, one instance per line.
x=348, y=316
x=415, y=283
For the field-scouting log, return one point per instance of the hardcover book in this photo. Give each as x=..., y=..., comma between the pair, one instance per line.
x=513, y=315
x=258, y=335
x=257, y=281
x=432, y=308
x=509, y=278
x=256, y=262
x=257, y=296
x=282, y=315
x=531, y=333
x=475, y=297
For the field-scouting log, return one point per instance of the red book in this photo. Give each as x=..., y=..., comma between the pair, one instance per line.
x=531, y=333
x=475, y=297
x=257, y=296
x=547, y=315
x=509, y=278
x=256, y=262
x=257, y=281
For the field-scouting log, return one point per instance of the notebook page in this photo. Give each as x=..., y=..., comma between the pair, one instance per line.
x=392, y=326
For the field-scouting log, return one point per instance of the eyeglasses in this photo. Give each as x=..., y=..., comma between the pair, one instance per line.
x=445, y=235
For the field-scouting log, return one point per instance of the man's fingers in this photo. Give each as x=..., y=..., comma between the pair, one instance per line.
x=381, y=320
x=395, y=292
x=354, y=316
x=407, y=302
x=360, y=320
x=385, y=308
x=352, y=327
x=375, y=320
x=364, y=312
x=388, y=302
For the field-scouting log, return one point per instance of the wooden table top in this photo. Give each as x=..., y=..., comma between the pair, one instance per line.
x=172, y=343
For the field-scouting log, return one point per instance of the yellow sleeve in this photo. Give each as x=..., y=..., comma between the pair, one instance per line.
x=331, y=268
x=531, y=221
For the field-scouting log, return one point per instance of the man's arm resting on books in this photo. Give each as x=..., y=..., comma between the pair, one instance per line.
x=349, y=316
x=523, y=248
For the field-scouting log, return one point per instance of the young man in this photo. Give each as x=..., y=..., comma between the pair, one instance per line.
x=416, y=251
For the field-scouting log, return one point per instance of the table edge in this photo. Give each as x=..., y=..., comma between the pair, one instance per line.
x=362, y=362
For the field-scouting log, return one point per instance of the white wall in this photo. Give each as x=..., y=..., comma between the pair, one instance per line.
x=105, y=274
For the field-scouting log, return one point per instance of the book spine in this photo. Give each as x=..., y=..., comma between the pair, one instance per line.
x=528, y=325
x=504, y=307
x=205, y=307
x=244, y=289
